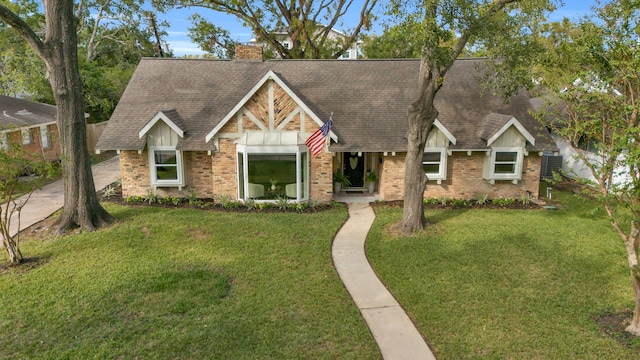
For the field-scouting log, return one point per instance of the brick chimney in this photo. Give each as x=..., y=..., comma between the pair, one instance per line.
x=249, y=52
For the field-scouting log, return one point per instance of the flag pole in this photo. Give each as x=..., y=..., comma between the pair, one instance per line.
x=329, y=133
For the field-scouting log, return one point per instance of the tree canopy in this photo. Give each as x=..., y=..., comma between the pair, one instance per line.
x=592, y=72
x=505, y=30
x=307, y=23
x=112, y=38
x=57, y=47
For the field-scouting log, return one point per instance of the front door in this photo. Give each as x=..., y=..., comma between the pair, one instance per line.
x=354, y=169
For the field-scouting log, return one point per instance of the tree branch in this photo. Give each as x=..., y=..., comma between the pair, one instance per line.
x=25, y=31
x=492, y=9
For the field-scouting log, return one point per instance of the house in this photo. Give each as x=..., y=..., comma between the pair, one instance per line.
x=238, y=128
x=31, y=124
x=333, y=36
x=569, y=159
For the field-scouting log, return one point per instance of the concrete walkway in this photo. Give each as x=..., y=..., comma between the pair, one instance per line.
x=50, y=198
x=392, y=329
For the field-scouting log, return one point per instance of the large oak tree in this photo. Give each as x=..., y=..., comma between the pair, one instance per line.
x=58, y=49
x=307, y=23
x=503, y=28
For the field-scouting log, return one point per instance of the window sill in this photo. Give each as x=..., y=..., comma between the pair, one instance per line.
x=513, y=181
x=168, y=185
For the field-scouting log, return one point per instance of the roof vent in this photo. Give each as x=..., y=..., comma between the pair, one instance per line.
x=23, y=112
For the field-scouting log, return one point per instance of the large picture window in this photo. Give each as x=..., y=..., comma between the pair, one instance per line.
x=272, y=172
x=506, y=164
x=434, y=164
x=165, y=167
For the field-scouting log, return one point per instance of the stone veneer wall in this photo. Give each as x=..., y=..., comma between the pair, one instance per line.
x=464, y=178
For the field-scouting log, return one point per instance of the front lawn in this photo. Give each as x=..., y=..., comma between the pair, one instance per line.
x=184, y=284
x=509, y=284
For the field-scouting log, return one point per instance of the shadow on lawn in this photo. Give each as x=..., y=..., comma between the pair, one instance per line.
x=27, y=264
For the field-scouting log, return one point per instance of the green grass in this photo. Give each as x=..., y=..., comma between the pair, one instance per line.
x=508, y=284
x=185, y=284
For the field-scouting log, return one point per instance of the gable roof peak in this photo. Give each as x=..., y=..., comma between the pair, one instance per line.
x=169, y=117
x=273, y=76
x=496, y=124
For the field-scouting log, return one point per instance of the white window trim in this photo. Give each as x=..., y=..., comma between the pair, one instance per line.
x=27, y=136
x=45, y=137
x=179, y=183
x=298, y=150
x=442, y=174
x=4, y=141
x=517, y=175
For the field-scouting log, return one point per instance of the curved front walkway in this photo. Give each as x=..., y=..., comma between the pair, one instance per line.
x=50, y=198
x=392, y=329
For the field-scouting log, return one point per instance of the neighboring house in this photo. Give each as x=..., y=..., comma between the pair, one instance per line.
x=572, y=165
x=334, y=35
x=31, y=124
x=238, y=128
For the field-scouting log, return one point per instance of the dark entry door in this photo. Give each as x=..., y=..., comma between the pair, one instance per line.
x=354, y=168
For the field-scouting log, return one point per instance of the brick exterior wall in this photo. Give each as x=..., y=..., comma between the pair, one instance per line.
x=321, y=177
x=391, y=182
x=134, y=173
x=51, y=153
x=249, y=52
x=464, y=178
x=223, y=168
x=211, y=176
x=136, y=181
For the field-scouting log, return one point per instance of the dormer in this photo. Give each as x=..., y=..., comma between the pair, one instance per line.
x=507, y=139
x=436, y=151
x=162, y=133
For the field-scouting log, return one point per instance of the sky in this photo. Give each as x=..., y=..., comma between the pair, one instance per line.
x=178, y=39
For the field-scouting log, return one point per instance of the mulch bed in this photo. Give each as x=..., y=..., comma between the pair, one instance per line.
x=115, y=196
x=613, y=325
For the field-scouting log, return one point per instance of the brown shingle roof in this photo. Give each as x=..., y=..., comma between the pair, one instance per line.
x=18, y=113
x=368, y=99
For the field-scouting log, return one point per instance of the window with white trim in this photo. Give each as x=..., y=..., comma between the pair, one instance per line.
x=27, y=138
x=272, y=172
x=434, y=163
x=506, y=164
x=165, y=165
x=4, y=141
x=45, y=136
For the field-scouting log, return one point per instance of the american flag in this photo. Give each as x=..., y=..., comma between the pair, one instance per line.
x=315, y=142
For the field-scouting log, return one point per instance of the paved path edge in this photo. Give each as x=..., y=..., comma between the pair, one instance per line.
x=393, y=330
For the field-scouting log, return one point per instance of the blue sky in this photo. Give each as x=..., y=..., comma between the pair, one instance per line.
x=180, y=43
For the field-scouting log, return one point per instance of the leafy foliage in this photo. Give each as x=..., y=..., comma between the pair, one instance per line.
x=112, y=38
x=20, y=175
x=308, y=24
x=592, y=69
x=504, y=29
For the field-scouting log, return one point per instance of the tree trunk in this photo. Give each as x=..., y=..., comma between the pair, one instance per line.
x=14, y=256
x=81, y=205
x=632, y=256
x=11, y=248
x=421, y=114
